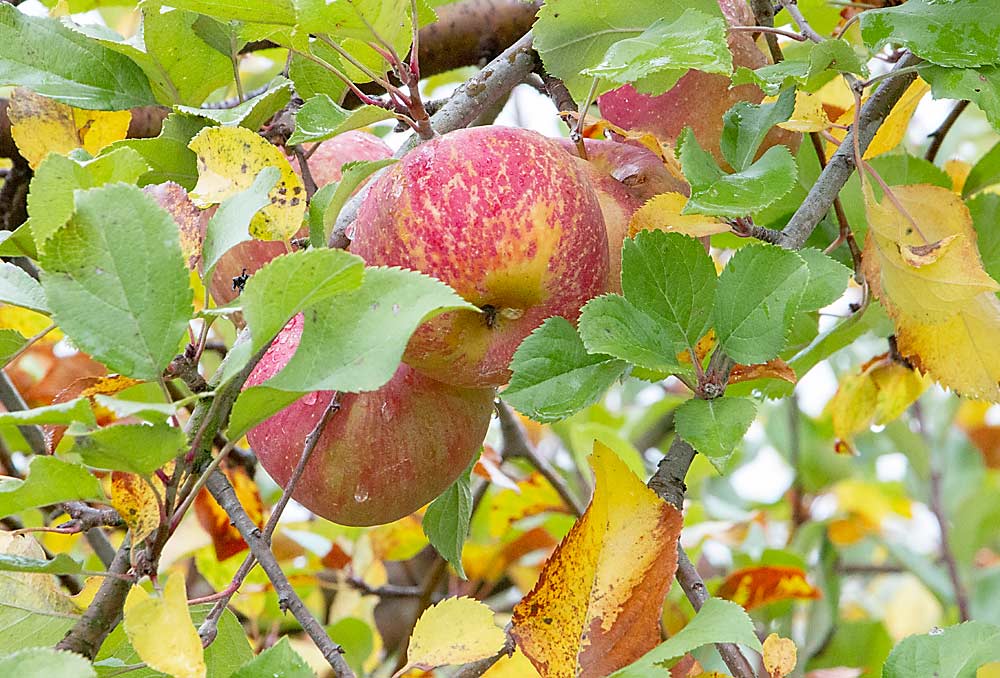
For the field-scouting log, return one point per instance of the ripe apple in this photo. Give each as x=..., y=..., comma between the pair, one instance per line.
x=384, y=454
x=324, y=166
x=504, y=216
x=624, y=176
x=698, y=100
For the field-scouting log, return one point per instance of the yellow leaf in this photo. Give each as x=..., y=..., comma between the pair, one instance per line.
x=134, y=499
x=941, y=268
x=663, y=213
x=455, y=631
x=161, y=631
x=780, y=655
x=28, y=323
x=41, y=126
x=514, y=666
x=808, y=115
x=872, y=501
x=958, y=172
x=534, y=495
x=596, y=606
x=893, y=130
x=229, y=159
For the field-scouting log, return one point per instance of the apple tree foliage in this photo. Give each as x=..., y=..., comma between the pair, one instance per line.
x=819, y=399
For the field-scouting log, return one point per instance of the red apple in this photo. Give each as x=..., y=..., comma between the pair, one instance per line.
x=505, y=217
x=624, y=176
x=699, y=99
x=384, y=454
x=324, y=166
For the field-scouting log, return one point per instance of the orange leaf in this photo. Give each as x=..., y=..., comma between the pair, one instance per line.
x=335, y=559
x=773, y=369
x=136, y=502
x=215, y=520
x=596, y=606
x=753, y=587
x=88, y=387
x=488, y=467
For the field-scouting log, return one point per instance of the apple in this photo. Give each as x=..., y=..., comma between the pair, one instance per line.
x=384, y=454
x=698, y=100
x=504, y=216
x=624, y=176
x=324, y=166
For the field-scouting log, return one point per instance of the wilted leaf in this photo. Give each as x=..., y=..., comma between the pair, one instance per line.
x=190, y=219
x=780, y=655
x=161, y=631
x=225, y=537
x=772, y=369
x=41, y=126
x=135, y=500
x=229, y=158
x=455, y=631
x=663, y=213
x=597, y=603
x=753, y=587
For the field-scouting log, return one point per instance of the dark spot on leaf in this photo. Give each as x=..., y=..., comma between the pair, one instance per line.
x=294, y=202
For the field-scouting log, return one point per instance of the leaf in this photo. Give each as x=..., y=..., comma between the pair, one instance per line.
x=278, y=661
x=229, y=159
x=117, y=282
x=892, y=132
x=571, y=36
x=252, y=113
x=693, y=40
x=455, y=631
x=735, y=195
x=178, y=652
x=136, y=502
x=321, y=118
x=780, y=655
x=808, y=115
x=135, y=448
x=230, y=225
x=950, y=33
x=75, y=70
x=596, y=606
x=65, y=413
x=715, y=427
x=46, y=661
x=20, y=289
x=663, y=213
x=11, y=342
x=446, y=520
x=757, y=298
x=610, y=325
x=827, y=280
x=753, y=587
x=805, y=68
x=226, y=539
x=40, y=125
x=327, y=210
x=281, y=12
x=718, y=621
x=746, y=125
x=167, y=155
x=985, y=173
x=554, y=376
x=985, y=212
x=49, y=481
x=61, y=564
x=954, y=652
x=979, y=85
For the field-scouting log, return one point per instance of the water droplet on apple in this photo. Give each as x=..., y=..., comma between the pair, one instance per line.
x=935, y=631
x=310, y=399
x=375, y=306
x=361, y=494
x=511, y=313
x=395, y=309
x=386, y=411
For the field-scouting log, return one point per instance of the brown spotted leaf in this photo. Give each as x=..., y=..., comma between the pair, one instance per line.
x=136, y=502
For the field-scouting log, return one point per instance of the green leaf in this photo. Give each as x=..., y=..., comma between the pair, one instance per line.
x=50, y=198
x=55, y=61
x=278, y=661
x=320, y=118
x=167, y=155
x=554, y=375
x=808, y=69
x=11, y=341
x=446, y=520
x=612, y=326
x=353, y=175
x=573, y=35
x=45, y=661
x=61, y=564
x=985, y=209
x=954, y=652
x=715, y=427
x=49, y=481
x=981, y=86
x=293, y=282
x=827, y=280
x=698, y=165
x=117, y=282
x=718, y=621
x=669, y=48
x=281, y=12
x=756, y=301
x=252, y=113
x=230, y=225
x=311, y=79
x=356, y=638
x=156, y=413
x=746, y=125
x=20, y=289
x=962, y=33
x=985, y=173
x=737, y=195
x=134, y=448
x=62, y=414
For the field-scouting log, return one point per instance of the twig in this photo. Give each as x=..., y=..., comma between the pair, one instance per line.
x=307, y=177
x=288, y=599
x=938, y=135
x=384, y=591
x=12, y=400
x=795, y=493
x=31, y=342
x=800, y=21
x=763, y=12
x=846, y=234
x=798, y=37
